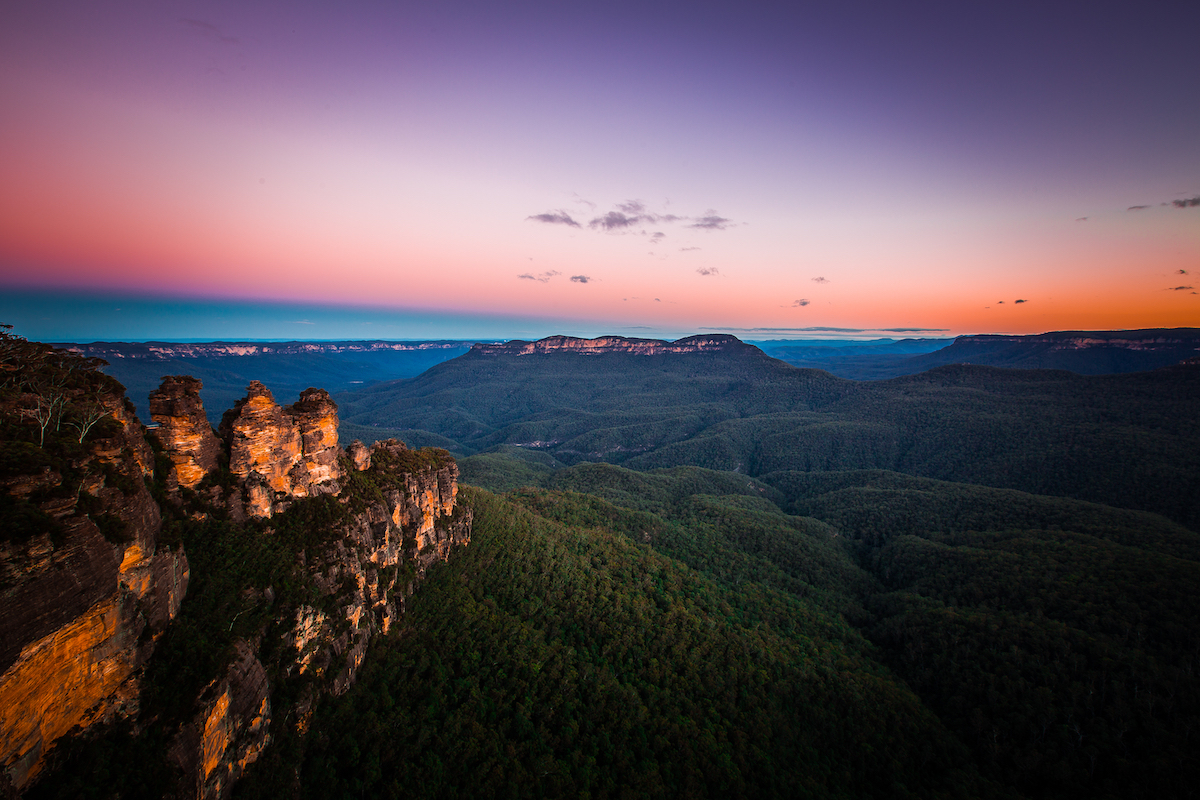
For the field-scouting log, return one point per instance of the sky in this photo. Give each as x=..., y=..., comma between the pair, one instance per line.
x=521, y=169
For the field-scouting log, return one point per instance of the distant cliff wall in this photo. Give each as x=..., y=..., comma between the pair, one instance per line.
x=613, y=344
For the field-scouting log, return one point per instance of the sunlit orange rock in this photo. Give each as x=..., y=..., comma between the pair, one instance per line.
x=278, y=453
x=183, y=430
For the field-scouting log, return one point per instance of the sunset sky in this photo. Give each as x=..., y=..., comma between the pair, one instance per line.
x=518, y=169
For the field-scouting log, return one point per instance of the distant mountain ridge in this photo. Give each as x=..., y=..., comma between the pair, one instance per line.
x=1085, y=352
x=615, y=344
x=1082, y=352
x=165, y=350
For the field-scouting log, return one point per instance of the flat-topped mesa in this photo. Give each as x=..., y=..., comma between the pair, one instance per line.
x=278, y=454
x=183, y=430
x=614, y=344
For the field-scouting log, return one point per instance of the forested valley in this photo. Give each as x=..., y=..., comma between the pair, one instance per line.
x=719, y=575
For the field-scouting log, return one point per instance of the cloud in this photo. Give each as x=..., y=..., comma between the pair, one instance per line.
x=658, y=236
x=820, y=280
x=798, y=304
x=580, y=279
x=542, y=278
x=708, y=271
x=1137, y=208
x=291, y=321
x=1000, y=302
x=686, y=249
x=1190, y=202
x=1020, y=301
x=710, y=222
x=631, y=213
x=1081, y=219
x=1180, y=289
x=1181, y=272
x=614, y=220
x=559, y=217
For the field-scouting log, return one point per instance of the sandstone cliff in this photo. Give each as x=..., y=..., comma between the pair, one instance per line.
x=278, y=454
x=87, y=589
x=184, y=431
x=613, y=344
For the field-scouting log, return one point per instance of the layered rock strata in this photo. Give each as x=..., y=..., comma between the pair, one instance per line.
x=230, y=730
x=84, y=599
x=83, y=602
x=278, y=454
x=612, y=344
x=184, y=431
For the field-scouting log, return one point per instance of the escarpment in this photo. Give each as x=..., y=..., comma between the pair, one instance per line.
x=302, y=552
x=86, y=587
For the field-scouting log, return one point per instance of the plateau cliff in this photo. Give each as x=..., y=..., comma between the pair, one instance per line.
x=614, y=344
x=301, y=553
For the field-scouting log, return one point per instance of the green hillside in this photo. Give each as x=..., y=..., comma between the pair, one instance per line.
x=1131, y=441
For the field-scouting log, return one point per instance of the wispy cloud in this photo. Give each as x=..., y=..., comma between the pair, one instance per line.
x=798, y=304
x=580, y=279
x=540, y=278
x=1180, y=289
x=614, y=221
x=711, y=222
x=820, y=280
x=1137, y=208
x=1181, y=272
x=1189, y=202
x=708, y=271
x=687, y=249
x=559, y=217
x=1019, y=301
x=291, y=321
x=630, y=214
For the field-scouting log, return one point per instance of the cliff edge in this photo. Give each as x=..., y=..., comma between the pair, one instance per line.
x=97, y=512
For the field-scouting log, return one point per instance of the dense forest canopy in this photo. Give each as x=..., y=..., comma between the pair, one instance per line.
x=721, y=575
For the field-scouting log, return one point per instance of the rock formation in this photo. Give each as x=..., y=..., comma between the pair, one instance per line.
x=229, y=732
x=85, y=591
x=184, y=431
x=279, y=454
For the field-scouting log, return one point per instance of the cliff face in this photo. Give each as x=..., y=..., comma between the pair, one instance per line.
x=613, y=344
x=376, y=562
x=85, y=588
x=277, y=453
x=184, y=431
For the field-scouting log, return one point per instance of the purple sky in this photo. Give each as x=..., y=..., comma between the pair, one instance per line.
x=671, y=167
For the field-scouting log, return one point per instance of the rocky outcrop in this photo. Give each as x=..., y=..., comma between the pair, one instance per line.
x=230, y=730
x=377, y=562
x=183, y=430
x=85, y=590
x=278, y=454
x=612, y=344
